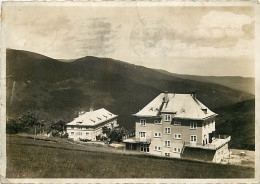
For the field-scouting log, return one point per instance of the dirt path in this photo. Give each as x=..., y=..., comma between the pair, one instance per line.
x=246, y=159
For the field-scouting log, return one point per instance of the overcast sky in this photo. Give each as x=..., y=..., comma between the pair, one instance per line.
x=187, y=40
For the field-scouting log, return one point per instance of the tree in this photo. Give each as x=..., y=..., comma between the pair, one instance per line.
x=116, y=134
x=12, y=127
x=58, y=128
x=105, y=130
x=28, y=121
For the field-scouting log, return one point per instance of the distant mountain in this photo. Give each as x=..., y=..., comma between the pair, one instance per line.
x=245, y=84
x=58, y=90
x=237, y=120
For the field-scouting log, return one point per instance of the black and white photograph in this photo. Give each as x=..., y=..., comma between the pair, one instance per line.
x=107, y=90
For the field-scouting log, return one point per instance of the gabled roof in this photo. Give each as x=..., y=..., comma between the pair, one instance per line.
x=184, y=106
x=93, y=118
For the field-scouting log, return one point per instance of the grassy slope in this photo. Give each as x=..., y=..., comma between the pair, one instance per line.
x=27, y=158
x=57, y=90
x=245, y=84
x=238, y=120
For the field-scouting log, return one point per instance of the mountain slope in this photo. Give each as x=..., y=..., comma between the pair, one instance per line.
x=238, y=120
x=58, y=90
x=245, y=84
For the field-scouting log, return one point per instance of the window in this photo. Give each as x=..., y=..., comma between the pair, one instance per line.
x=157, y=122
x=157, y=134
x=145, y=148
x=167, y=143
x=157, y=148
x=177, y=136
x=72, y=133
x=167, y=154
x=176, y=123
x=167, y=117
x=78, y=133
x=177, y=150
x=142, y=134
x=143, y=122
x=193, y=138
x=193, y=126
x=72, y=127
x=167, y=130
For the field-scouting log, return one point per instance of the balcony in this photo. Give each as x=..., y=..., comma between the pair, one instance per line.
x=138, y=140
x=217, y=142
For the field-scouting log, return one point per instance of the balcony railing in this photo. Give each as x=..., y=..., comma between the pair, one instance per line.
x=221, y=136
x=143, y=140
x=199, y=145
x=138, y=140
x=217, y=142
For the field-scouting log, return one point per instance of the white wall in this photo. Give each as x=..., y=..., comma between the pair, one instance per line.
x=221, y=154
x=88, y=133
x=209, y=128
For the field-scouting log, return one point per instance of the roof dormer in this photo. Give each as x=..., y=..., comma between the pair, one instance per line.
x=205, y=110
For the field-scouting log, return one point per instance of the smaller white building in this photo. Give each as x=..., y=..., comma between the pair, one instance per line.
x=89, y=124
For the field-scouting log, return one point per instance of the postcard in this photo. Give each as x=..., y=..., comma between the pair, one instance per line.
x=129, y=92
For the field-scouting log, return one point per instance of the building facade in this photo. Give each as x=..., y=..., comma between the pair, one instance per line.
x=178, y=125
x=89, y=124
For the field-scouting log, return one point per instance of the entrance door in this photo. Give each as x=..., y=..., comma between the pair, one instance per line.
x=210, y=137
x=193, y=140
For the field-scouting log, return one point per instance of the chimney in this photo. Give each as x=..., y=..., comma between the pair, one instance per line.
x=166, y=97
x=91, y=109
x=81, y=112
x=193, y=94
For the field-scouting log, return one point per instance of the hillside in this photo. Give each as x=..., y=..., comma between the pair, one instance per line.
x=238, y=120
x=245, y=84
x=58, y=90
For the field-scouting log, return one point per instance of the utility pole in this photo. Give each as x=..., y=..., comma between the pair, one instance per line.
x=34, y=132
x=40, y=128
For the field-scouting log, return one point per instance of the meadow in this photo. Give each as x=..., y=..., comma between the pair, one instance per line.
x=28, y=158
